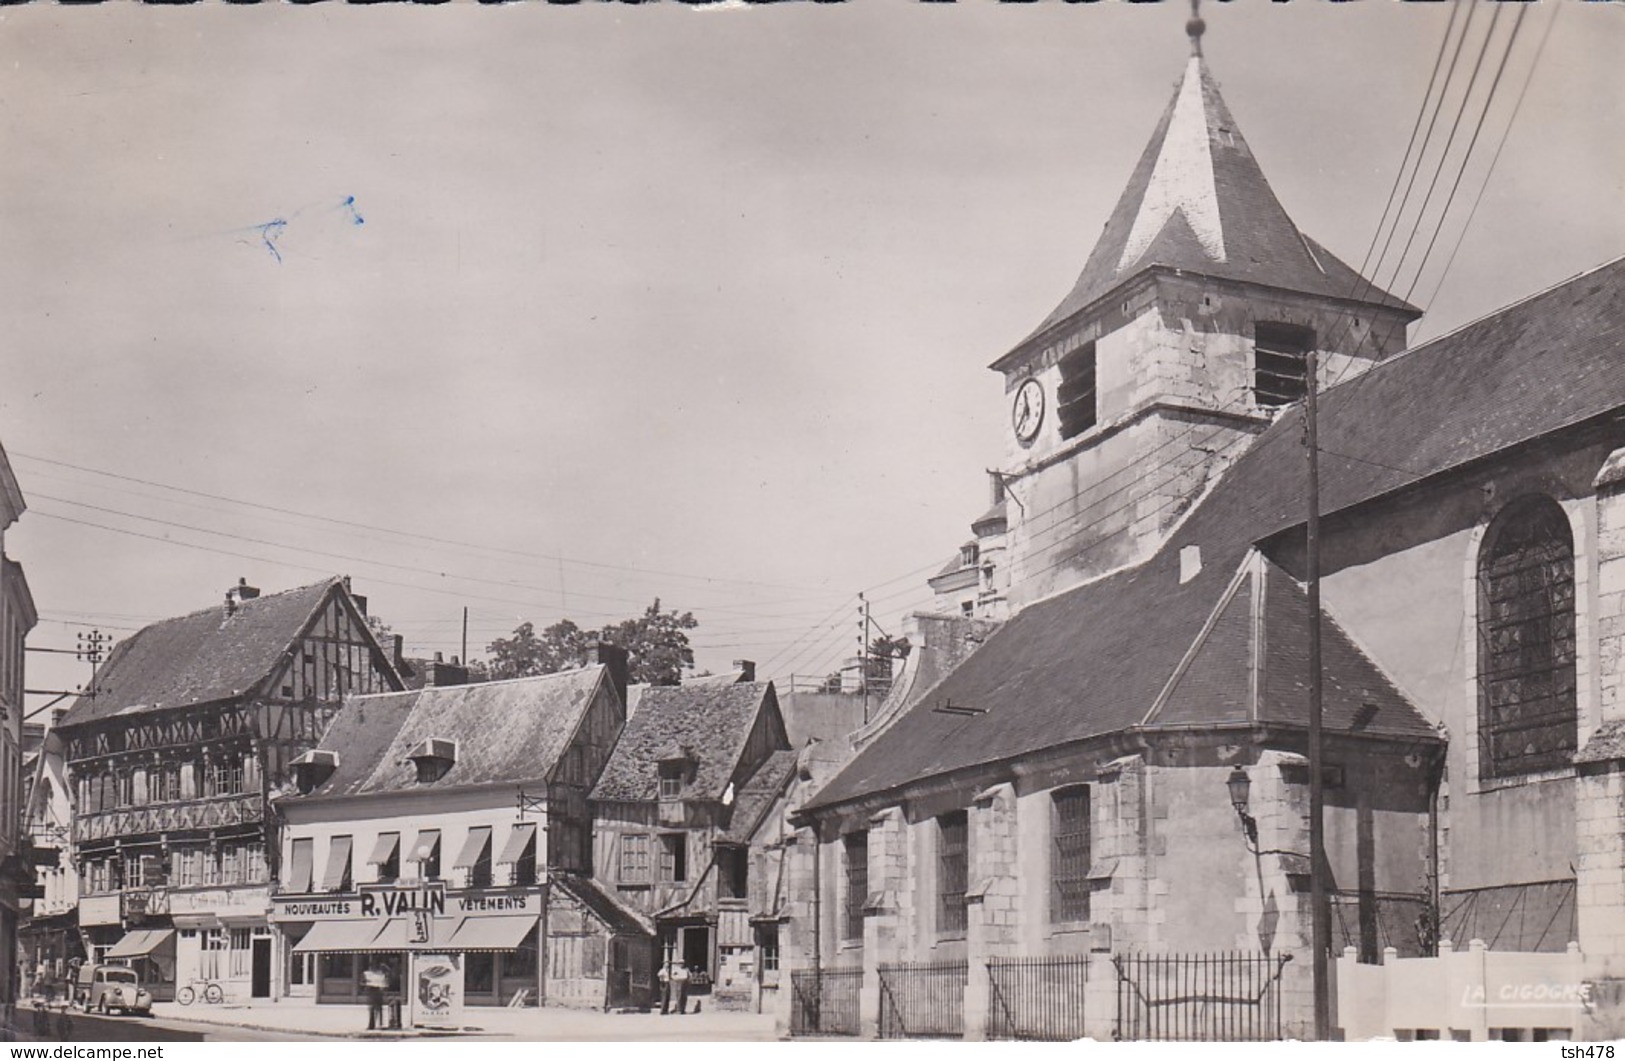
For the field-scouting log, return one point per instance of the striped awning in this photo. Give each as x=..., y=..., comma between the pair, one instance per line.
x=340, y=937
x=490, y=933
x=384, y=850
x=140, y=942
x=301, y=868
x=338, y=864
x=520, y=837
x=476, y=848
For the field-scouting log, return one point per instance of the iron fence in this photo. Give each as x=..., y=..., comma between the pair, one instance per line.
x=1037, y=998
x=1228, y=997
x=825, y=1001
x=922, y=1000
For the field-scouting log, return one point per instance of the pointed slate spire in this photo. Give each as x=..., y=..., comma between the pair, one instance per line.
x=1198, y=202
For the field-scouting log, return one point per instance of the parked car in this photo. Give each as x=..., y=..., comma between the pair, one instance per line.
x=103, y=988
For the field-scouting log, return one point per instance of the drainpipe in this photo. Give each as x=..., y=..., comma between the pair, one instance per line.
x=1435, y=780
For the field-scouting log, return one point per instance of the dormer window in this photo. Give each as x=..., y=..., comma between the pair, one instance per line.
x=671, y=780
x=968, y=554
x=312, y=769
x=433, y=758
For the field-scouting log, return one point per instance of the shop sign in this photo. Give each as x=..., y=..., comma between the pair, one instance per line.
x=428, y=900
x=437, y=990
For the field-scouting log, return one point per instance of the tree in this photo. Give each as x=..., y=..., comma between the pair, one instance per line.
x=656, y=645
x=882, y=651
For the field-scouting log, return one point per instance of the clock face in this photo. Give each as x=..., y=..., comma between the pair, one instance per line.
x=1028, y=412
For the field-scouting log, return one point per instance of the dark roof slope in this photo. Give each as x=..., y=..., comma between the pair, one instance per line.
x=755, y=797
x=201, y=657
x=713, y=722
x=1261, y=244
x=506, y=731
x=1093, y=660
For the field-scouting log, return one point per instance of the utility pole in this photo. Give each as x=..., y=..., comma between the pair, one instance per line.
x=863, y=651
x=465, y=636
x=1319, y=910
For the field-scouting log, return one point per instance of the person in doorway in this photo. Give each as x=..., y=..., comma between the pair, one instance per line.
x=679, y=984
x=374, y=981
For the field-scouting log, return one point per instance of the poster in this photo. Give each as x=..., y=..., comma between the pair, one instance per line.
x=437, y=990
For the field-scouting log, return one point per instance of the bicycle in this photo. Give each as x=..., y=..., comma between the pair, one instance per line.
x=213, y=993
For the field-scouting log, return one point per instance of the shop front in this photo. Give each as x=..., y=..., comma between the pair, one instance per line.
x=333, y=940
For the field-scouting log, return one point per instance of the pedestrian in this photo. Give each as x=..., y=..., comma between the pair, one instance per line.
x=679, y=980
x=664, y=977
x=375, y=981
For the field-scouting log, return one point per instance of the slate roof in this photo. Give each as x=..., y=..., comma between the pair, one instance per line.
x=1095, y=659
x=1260, y=243
x=619, y=917
x=201, y=657
x=754, y=798
x=507, y=731
x=712, y=721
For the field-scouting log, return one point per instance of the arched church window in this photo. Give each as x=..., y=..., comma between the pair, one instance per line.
x=1527, y=715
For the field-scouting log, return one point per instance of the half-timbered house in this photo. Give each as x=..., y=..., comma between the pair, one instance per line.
x=695, y=773
x=191, y=724
x=17, y=617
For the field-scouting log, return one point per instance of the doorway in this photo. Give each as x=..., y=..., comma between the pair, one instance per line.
x=260, y=969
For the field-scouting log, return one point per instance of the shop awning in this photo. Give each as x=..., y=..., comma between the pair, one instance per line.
x=423, y=848
x=338, y=864
x=140, y=942
x=476, y=849
x=299, y=871
x=384, y=850
x=519, y=838
x=490, y=933
x=330, y=937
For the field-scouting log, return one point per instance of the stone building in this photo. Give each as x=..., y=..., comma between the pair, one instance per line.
x=17, y=618
x=172, y=758
x=1067, y=830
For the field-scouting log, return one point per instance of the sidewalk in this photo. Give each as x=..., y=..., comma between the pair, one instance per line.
x=479, y=1022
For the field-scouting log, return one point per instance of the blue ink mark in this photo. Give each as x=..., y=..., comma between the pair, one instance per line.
x=355, y=216
x=270, y=232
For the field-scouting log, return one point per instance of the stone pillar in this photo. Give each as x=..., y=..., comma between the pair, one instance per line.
x=1276, y=903
x=798, y=948
x=883, y=939
x=1122, y=840
x=992, y=912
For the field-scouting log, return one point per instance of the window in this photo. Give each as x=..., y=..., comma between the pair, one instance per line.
x=1069, y=855
x=953, y=869
x=475, y=859
x=301, y=969
x=426, y=854
x=733, y=872
x=386, y=857
x=126, y=788
x=164, y=784
x=855, y=851
x=767, y=946
x=674, y=858
x=1075, y=409
x=1527, y=715
x=671, y=780
x=337, y=876
x=1280, y=365
x=240, y=945
x=635, y=859
x=224, y=777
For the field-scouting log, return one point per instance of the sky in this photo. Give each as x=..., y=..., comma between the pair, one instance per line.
x=550, y=311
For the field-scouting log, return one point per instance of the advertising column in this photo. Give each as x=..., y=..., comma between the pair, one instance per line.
x=437, y=990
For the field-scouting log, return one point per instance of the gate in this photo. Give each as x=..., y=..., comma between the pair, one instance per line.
x=825, y=1001
x=1229, y=997
x=1036, y=998
x=922, y=1000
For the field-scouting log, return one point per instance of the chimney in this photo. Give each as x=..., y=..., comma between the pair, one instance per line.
x=57, y=715
x=231, y=603
x=399, y=658
x=360, y=604
x=746, y=669
x=245, y=591
x=439, y=672
x=615, y=659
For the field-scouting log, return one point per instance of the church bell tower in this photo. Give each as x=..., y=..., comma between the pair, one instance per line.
x=1183, y=337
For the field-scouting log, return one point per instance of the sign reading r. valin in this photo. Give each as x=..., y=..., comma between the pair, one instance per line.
x=391, y=900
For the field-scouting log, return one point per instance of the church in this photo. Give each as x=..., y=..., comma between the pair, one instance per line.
x=1096, y=823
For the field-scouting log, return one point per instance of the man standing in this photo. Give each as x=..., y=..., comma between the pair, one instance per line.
x=679, y=983
x=375, y=981
x=664, y=979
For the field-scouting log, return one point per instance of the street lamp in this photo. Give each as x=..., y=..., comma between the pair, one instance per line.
x=1240, y=785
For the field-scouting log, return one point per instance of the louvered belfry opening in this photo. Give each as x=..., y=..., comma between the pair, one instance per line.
x=1280, y=368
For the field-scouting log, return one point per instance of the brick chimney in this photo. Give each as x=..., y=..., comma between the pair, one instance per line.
x=615, y=658
x=746, y=669
x=440, y=673
x=245, y=591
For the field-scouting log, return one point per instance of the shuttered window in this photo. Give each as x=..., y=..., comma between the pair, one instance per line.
x=953, y=871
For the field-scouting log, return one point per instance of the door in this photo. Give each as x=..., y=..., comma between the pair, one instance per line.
x=260, y=969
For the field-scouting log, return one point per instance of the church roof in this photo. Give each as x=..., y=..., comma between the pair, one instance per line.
x=1198, y=201
x=1139, y=647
